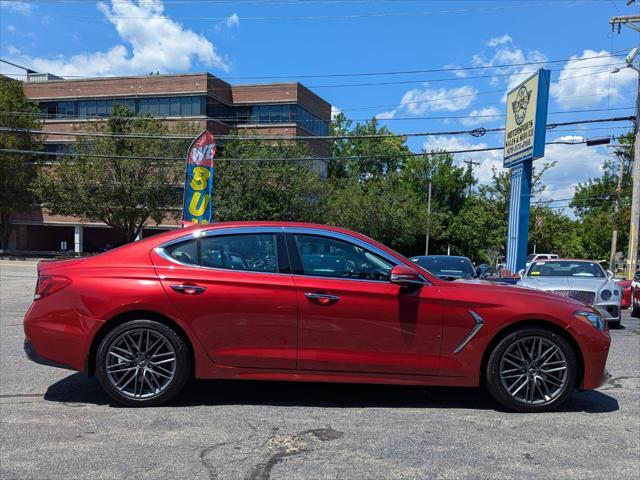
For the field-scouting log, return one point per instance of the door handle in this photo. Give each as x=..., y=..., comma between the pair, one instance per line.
x=322, y=298
x=188, y=289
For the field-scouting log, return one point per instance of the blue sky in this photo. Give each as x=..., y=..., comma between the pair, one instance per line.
x=292, y=39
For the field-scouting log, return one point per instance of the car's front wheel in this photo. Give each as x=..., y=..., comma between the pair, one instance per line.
x=531, y=370
x=142, y=363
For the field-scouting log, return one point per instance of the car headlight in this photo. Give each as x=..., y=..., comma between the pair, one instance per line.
x=605, y=294
x=593, y=318
x=616, y=292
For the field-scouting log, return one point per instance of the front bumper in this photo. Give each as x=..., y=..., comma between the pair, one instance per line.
x=33, y=355
x=611, y=312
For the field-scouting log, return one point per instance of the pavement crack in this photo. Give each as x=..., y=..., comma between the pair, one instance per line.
x=211, y=470
x=283, y=446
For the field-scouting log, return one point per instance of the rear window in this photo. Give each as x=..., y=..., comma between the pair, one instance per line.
x=184, y=252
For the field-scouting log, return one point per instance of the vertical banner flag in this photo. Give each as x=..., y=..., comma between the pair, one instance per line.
x=198, y=185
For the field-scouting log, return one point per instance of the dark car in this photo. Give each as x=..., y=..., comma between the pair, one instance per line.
x=447, y=267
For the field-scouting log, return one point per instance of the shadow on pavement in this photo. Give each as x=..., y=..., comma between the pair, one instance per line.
x=79, y=389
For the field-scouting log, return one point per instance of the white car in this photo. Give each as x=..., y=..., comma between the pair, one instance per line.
x=582, y=280
x=534, y=257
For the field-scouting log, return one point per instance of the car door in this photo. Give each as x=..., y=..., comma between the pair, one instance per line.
x=351, y=317
x=235, y=290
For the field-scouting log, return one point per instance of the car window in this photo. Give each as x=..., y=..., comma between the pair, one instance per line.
x=251, y=252
x=446, y=266
x=330, y=257
x=530, y=257
x=565, y=268
x=184, y=252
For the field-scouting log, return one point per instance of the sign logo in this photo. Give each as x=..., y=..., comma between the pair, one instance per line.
x=520, y=104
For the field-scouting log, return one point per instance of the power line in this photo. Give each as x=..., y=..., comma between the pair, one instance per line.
x=281, y=159
x=617, y=53
x=260, y=87
x=286, y=17
x=223, y=117
x=477, y=132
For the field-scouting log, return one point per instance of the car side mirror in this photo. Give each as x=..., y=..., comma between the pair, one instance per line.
x=403, y=275
x=478, y=272
x=521, y=272
x=610, y=274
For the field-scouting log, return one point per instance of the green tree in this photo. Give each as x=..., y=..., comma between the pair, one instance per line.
x=118, y=188
x=383, y=208
x=594, y=203
x=252, y=184
x=15, y=175
x=373, y=156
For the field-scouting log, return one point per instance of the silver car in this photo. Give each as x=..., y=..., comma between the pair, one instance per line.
x=582, y=280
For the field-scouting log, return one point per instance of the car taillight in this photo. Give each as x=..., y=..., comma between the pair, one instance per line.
x=48, y=284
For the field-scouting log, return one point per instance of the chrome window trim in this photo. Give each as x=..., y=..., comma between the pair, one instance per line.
x=159, y=250
x=479, y=324
x=349, y=239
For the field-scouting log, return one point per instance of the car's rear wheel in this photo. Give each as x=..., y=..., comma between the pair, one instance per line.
x=635, y=310
x=142, y=363
x=531, y=370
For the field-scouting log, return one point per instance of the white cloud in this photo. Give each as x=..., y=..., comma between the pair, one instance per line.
x=232, y=20
x=484, y=115
x=18, y=6
x=457, y=73
x=575, y=163
x=335, y=111
x=12, y=50
x=11, y=29
x=158, y=44
x=488, y=160
x=496, y=41
x=421, y=100
x=386, y=115
x=505, y=53
x=590, y=85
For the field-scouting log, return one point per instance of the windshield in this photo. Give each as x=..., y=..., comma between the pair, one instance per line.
x=447, y=266
x=565, y=268
x=530, y=257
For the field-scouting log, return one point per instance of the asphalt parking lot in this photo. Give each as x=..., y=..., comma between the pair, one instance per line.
x=56, y=424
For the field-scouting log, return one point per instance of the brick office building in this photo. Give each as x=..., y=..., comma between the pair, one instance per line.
x=277, y=109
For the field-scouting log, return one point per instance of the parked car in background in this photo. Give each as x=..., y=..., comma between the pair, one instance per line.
x=301, y=302
x=447, y=267
x=635, y=295
x=539, y=256
x=582, y=280
x=625, y=288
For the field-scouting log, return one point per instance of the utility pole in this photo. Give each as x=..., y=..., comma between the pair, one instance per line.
x=470, y=164
x=633, y=22
x=616, y=209
x=634, y=224
x=426, y=247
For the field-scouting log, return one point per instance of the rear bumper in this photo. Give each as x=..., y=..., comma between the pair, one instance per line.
x=33, y=355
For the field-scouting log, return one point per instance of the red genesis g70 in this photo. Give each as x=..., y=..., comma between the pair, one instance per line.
x=294, y=301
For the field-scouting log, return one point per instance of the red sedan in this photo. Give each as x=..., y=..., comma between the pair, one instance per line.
x=292, y=301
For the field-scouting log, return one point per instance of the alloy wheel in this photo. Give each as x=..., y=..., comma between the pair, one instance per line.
x=140, y=363
x=533, y=370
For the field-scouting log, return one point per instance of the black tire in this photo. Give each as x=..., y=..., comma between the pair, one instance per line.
x=497, y=386
x=614, y=325
x=180, y=369
x=635, y=310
